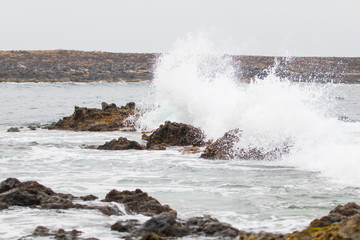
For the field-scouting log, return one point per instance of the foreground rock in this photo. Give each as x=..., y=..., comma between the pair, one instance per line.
x=224, y=148
x=138, y=202
x=109, y=118
x=13, y=129
x=175, y=134
x=32, y=194
x=341, y=223
x=121, y=144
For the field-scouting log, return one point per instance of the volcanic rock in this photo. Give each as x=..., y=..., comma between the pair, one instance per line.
x=121, y=144
x=176, y=134
x=109, y=118
x=138, y=202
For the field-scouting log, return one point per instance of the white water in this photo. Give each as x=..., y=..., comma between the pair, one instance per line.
x=194, y=84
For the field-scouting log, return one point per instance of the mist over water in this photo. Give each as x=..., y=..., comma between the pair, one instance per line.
x=196, y=83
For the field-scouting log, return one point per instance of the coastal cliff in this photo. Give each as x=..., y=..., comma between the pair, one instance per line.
x=81, y=66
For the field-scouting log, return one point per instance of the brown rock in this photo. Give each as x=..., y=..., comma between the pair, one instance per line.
x=138, y=201
x=13, y=129
x=109, y=118
x=176, y=134
x=121, y=144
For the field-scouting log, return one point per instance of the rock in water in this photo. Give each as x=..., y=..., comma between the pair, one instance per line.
x=109, y=118
x=121, y=144
x=176, y=134
x=138, y=201
x=13, y=129
x=224, y=148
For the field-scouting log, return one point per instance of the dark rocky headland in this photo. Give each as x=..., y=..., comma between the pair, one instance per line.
x=81, y=66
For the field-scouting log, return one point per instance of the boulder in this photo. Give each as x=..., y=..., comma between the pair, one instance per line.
x=138, y=202
x=341, y=223
x=42, y=231
x=121, y=144
x=108, y=118
x=224, y=148
x=31, y=193
x=176, y=134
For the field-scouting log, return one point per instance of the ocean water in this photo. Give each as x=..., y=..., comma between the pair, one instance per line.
x=193, y=85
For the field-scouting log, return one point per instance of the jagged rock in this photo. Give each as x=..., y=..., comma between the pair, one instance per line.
x=138, y=201
x=224, y=148
x=13, y=129
x=109, y=118
x=176, y=134
x=211, y=227
x=109, y=211
x=121, y=144
x=31, y=193
x=341, y=223
x=165, y=224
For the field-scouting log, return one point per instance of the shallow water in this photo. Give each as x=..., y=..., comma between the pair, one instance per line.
x=278, y=196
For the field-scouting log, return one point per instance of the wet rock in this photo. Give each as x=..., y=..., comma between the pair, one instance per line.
x=109, y=210
x=211, y=227
x=145, y=137
x=31, y=193
x=88, y=197
x=126, y=225
x=152, y=236
x=3, y=206
x=138, y=202
x=109, y=118
x=121, y=144
x=176, y=134
x=341, y=223
x=32, y=128
x=223, y=148
x=13, y=129
x=165, y=224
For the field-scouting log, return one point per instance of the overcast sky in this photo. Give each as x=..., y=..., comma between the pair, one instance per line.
x=250, y=27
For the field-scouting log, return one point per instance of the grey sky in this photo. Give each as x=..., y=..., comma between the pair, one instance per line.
x=251, y=27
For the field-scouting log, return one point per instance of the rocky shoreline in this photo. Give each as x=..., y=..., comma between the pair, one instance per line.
x=343, y=222
x=81, y=66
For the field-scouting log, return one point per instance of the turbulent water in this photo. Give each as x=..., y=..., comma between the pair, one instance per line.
x=319, y=121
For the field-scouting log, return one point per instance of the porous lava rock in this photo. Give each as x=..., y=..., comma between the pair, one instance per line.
x=224, y=148
x=108, y=118
x=138, y=202
x=176, y=134
x=121, y=144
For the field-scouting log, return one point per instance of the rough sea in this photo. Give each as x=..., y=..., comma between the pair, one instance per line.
x=283, y=195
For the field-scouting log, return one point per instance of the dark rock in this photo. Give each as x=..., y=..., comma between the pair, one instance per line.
x=138, y=201
x=341, y=223
x=59, y=234
x=3, y=206
x=165, y=224
x=109, y=211
x=41, y=231
x=125, y=225
x=211, y=227
x=109, y=118
x=88, y=197
x=145, y=137
x=31, y=193
x=121, y=144
x=223, y=148
x=176, y=134
x=152, y=236
x=13, y=129
x=8, y=184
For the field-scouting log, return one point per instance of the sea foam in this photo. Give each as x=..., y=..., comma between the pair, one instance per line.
x=196, y=83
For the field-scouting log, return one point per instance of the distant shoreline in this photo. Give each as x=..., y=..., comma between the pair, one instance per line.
x=83, y=66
